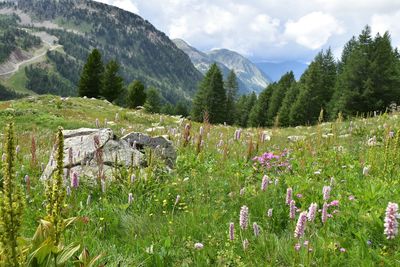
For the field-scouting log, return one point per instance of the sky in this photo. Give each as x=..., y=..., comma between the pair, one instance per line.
x=268, y=30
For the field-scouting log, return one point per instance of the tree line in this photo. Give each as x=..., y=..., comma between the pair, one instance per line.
x=101, y=80
x=365, y=79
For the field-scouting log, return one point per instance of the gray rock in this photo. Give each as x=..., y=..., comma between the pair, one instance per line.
x=161, y=145
x=81, y=143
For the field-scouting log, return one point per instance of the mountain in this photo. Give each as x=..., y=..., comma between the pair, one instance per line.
x=276, y=70
x=250, y=78
x=75, y=27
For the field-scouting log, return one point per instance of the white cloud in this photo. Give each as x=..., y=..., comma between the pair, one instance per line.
x=387, y=22
x=123, y=4
x=313, y=30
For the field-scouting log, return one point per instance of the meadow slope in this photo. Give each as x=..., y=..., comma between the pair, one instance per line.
x=214, y=178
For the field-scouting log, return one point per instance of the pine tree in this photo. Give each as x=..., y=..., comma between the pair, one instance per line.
x=153, y=101
x=258, y=116
x=112, y=85
x=91, y=79
x=136, y=94
x=277, y=96
x=244, y=107
x=232, y=87
x=287, y=102
x=211, y=97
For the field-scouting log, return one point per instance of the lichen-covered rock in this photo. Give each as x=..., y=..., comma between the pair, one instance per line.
x=160, y=144
x=80, y=153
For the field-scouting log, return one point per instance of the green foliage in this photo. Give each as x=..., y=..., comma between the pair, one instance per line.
x=11, y=205
x=153, y=100
x=91, y=79
x=232, y=88
x=136, y=94
x=112, y=83
x=258, y=116
x=211, y=97
x=245, y=105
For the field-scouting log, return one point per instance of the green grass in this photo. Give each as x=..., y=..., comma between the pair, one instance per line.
x=17, y=82
x=153, y=231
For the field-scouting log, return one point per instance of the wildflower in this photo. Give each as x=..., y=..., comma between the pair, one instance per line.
x=130, y=198
x=391, y=224
x=264, y=183
x=299, y=195
x=332, y=181
x=334, y=203
x=312, y=210
x=17, y=149
x=75, y=180
x=256, y=229
x=198, y=246
x=292, y=213
x=269, y=213
x=343, y=250
x=324, y=215
x=244, y=217
x=289, y=193
x=178, y=197
x=297, y=247
x=326, y=192
x=27, y=179
x=201, y=130
x=237, y=134
x=133, y=177
x=351, y=198
x=245, y=244
x=391, y=134
x=68, y=190
x=306, y=242
x=301, y=224
x=231, y=231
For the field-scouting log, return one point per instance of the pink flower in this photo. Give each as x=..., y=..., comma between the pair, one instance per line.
x=292, y=213
x=198, y=246
x=351, y=198
x=256, y=229
x=231, y=231
x=324, y=215
x=289, y=193
x=301, y=225
x=264, y=183
x=326, y=192
x=299, y=195
x=245, y=244
x=334, y=203
x=391, y=224
x=244, y=217
x=343, y=250
x=312, y=210
x=297, y=247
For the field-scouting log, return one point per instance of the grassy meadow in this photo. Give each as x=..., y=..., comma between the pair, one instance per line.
x=182, y=217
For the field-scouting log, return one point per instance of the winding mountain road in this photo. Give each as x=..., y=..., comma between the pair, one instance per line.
x=19, y=64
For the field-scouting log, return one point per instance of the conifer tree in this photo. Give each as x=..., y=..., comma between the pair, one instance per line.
x=211, y=97
x=287, y=102
x=232, y=87
x=244, y=107
x=91, y=79
x=136, y=94
x=258, y=116
x=112, y=85
x=11, y=204
x=153, y=101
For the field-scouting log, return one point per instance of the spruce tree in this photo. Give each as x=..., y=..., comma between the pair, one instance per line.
x=211, y=97
x=112, y=85
x=277, y=96
x=91, y=79
x=258, y=116
x=153, y=101
x=287, y=102
x=136, y=94
x=232, y=88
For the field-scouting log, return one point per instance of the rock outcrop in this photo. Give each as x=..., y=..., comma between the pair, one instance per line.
x=85, y=150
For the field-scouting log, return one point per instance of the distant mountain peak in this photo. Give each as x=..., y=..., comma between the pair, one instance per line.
x=250, y=78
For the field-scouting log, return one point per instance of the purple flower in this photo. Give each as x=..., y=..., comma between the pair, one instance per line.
x=351, y=198
x=324, y=215
x=244, y=217
x=326, y=192
x=343, y=250
x=299, y=195
x=75, y=180
x=231, y=231
x=289, y=193
x=198, y=246
x=237, y=134
x=264, y=183
x=27, y=179
x=312, y=211
x=68, y=190
x=391, y=224
x=334, y=203
x=300, y=226
x=256, y=229
x=297, y=247
x=292, y=213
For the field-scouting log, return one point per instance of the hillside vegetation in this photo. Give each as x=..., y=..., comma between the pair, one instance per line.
x=225, y=202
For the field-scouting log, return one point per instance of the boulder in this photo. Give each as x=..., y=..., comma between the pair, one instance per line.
x=80, y=145
x=160, y=144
